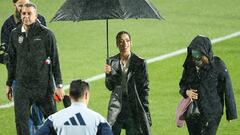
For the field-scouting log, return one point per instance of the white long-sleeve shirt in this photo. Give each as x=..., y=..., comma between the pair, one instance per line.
x=74, y=120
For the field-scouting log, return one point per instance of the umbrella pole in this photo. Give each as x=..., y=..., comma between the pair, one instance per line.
x=107, y=38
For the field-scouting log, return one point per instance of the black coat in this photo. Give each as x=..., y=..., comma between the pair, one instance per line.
x=10, y=24
x=28, y=54
x=137, y=85
x=212, y=83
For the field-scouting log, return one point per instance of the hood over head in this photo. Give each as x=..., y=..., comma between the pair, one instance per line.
x=202, y=44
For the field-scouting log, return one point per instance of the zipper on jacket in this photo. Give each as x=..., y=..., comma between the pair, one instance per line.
x=198, y=72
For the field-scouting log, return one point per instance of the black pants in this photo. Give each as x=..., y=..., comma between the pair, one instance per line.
x=22, y=102
x=125, y=120
x=127, y=123
x=199, y=127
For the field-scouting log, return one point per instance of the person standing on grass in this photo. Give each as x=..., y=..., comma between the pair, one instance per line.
x=10, y=23
x=206, y=79
x=77, y=119
x=127, y=79
x=14, y=20
x=33, y=63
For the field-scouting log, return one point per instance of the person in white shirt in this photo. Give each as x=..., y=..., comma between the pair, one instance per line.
x=77, y=118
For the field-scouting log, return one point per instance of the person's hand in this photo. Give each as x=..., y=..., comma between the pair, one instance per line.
x=9, y=93
x=192, y=94
x=59, y=92
x=107, y=69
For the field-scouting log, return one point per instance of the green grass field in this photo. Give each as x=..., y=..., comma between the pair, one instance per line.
x=82, y=53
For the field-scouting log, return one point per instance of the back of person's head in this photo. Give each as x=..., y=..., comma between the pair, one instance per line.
x=78, y=89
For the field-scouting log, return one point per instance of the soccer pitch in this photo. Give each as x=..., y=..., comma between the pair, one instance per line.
x=82, y=54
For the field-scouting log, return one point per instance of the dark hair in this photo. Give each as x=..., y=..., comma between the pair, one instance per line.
x=120, y=34
x=14, y=1
x=77, y=88
x=30, y=4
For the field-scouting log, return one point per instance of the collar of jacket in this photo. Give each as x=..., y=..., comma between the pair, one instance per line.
x=32, y=30
x=116, y=64
x=207, y=66
x=16, y=20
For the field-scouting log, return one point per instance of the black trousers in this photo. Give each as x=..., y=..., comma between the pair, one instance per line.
x=126, y=123
x=22, y=103
x=125, y=120
x=198, y=126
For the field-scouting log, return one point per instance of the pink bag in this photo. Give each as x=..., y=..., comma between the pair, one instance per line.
x=181, y=108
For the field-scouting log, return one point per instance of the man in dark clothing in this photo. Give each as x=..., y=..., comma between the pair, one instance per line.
x=205, y=79
x=12, y=22
x=33, y=59
x=127, y=78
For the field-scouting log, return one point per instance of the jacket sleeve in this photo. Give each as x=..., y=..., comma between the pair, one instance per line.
x=183, y=84
x=109, y=82
x=42, y=20
x=111, y=79
x=104, y=129
x=55, y=60
x=5, y=33
x=143, y=86
x=12, y=62
x=46, y=129
x=231, y=111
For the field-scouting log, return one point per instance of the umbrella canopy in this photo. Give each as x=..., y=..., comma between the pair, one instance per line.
x=79, y=10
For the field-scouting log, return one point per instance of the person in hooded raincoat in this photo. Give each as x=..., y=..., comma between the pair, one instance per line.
x=206, y=79
x=127, y=78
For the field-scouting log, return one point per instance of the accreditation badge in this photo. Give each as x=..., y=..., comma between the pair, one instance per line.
x=20, y=39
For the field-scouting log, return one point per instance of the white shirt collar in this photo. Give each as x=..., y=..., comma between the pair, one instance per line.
x=127, y=62
x=78, y=104
x=23, y=29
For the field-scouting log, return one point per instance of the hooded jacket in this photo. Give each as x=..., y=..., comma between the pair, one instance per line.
x=137, y=85
x=34, y=58
x=212, y=82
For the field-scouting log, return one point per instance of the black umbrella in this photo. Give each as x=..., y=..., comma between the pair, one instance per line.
x=79, y=10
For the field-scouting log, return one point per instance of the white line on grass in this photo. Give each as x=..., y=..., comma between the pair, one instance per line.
x=151, y=60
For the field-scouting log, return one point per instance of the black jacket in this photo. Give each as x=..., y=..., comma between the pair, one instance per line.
x=212, y=82
x=9, y=25
x=137, y=85
x=28, y=53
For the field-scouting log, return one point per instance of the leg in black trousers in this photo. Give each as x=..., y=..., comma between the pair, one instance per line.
x=46, y=105
x=22, y=107
x=199, y=127
x=211, y=127
x=194, y=126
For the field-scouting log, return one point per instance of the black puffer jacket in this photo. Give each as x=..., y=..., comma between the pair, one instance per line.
x=28, y=54
x=137, y=85
x=212, y=82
